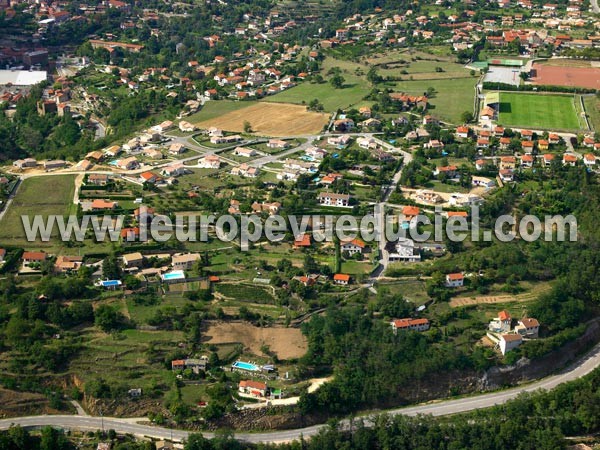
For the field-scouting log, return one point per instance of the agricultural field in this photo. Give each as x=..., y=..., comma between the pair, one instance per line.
x=538, y=111
x=270, y=119
x=57, y=199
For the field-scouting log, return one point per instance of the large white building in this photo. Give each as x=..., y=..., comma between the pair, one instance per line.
x=22, y=77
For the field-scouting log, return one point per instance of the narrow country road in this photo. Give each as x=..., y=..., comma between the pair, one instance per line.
x=582, y=367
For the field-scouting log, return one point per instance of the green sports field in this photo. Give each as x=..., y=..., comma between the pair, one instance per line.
x=538, y=111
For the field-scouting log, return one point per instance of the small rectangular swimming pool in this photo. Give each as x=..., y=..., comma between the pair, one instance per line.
x=174, y=275
x=245, y=366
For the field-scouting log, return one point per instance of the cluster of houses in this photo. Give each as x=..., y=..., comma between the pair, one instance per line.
x=506, y=337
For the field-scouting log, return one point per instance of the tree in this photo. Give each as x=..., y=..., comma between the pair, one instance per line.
x=108, y=318
x=247, y=127
x=337, y=81
x=467, y=117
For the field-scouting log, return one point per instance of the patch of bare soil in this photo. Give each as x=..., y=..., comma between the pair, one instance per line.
x=286, y=343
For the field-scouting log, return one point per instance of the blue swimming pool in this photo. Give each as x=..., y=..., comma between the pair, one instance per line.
x=174, y=275
x=110, y=283
x=245, y=366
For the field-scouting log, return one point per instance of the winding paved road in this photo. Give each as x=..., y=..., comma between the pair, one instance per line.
x=582, y=367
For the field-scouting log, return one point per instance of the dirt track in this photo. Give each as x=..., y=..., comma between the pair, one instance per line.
x=285, y=342
x=271, y=119
x=587, y=77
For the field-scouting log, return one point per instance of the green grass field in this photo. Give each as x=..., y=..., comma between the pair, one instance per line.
x=592, y=109
x=40, y=195
x=538, y=111
x=451, y=99
x=217, y=108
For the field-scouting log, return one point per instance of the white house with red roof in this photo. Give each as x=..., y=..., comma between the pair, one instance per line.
x=509, y=342
x=528, y=327
x=502, y=323
x=354, y=246
x=409, y=325
x=455, y=280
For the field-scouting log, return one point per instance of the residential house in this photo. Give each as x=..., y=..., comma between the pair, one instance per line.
x=162, y=127
x=507, y=175
x=315, y=152
x=482, y=182
x=174, y=170
x=186, y=127
x=352, y=247
x=343, y=125
x=245, y=152
x=434, y=144
x=67, y=264
x=254, y=388
x=405, y=251
x=277, y=143
x=462, y=132
x=528, y=327
x=302, y=241
x=34, y=257
x=184, y=261
x=271, y=208
x=130, y=163
x=103, y=205
x=502, y=323
x=589, y=160
x=504, y=143
x=209, y=162
x=448, y=171
x=130, y=234
x=148, y=177
x=483, y=142
x=569, y=159
x=341, y=279
x=548, y=158
x=527, y=135
x=509, y=342
x=153, y=153
x=333, y=199
x=527, y=146
x=244, y=170
x=225, y=139
x=527, y=160
x=543, y=145
x=508, y=162
x=176, y=148
x=409, y=325
x=455, y=280
x=133, y=260
x=339, y=141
